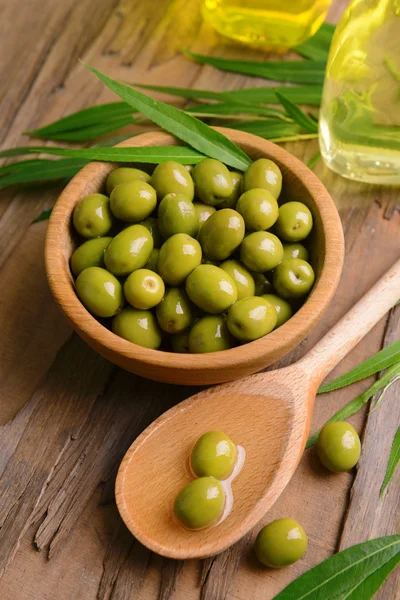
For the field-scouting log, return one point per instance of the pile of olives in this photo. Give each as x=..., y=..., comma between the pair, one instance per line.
x=203, y=254
x=201, y=502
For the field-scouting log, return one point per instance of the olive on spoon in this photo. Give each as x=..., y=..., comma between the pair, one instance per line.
x=268, y=414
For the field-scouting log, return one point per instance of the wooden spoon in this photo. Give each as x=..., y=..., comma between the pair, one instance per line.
x=268, y=414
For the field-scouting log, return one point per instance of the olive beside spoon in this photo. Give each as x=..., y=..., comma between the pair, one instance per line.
x=268, y=414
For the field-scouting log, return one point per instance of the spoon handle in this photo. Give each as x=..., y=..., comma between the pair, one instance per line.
x=353, y=326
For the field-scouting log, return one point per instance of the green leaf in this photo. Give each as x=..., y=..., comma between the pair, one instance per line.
x=297, y=114
x=393, y=461
x=268, y=129
x=43, y=170
x=313, y=160
x=354, y=405
x=291, y=71
x=43, y=216
x=189, y=93
x=383, y=359
x=235, y=109
x=91, y=132
x=187, y=128
x=22, y=164
x=353, y=574
x=317, y=47
x=151, y=154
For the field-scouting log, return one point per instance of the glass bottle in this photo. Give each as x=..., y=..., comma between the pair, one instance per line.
x=270, y=24
x=359, y=128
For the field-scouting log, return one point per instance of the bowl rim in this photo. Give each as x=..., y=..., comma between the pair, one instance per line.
x=299, y=325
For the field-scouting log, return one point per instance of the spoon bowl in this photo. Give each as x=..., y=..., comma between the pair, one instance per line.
x=267, y=414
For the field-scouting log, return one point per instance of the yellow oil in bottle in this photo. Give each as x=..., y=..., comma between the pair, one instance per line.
x=360, y=111
x=270, y=24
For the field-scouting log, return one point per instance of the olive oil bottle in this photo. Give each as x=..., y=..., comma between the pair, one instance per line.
x=270, y=24
x=360, y=112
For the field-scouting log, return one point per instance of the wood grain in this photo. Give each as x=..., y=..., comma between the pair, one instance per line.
x=43, y=87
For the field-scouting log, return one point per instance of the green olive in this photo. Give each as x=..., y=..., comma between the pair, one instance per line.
x=176, y=214
x=153, y=260
x=261, y=251
x=203, y=212
x=92, y=216
x=138, y=326
x=231, y=201
x=152, y=225
x=124, y=175
x=258, y=208
x=213, y=455
x=262, y=284
x=89, y=254
x=170, y=177
x=175, y=312
x=338, y=446
x=294, y=222
x=99, y=291
x=180, y=342
x=263, y=173
x=281, y=543
x=212, y=180
x=179, y=256
x=211, y=289
x=251, y=318
x=293, y=278
x=144, y=289
x=129, y=250
x=133, y=201
x=210, y=334
x=295, y=251
x=243, y=279
x=282, y=307
x=221, y=234
x=200, y=503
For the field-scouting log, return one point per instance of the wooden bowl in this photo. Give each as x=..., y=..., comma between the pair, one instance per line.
x=200, y=369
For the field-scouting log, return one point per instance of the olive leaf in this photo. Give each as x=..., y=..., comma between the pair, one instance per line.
x=313, y=160
x=383, y=359
x=297, y=114
x=317, y=47
x=393, y=461
x=354, y=405
x=197, y=134
x=43, y=216
x=353, y=574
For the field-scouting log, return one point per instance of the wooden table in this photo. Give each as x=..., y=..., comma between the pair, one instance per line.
x=68, y=416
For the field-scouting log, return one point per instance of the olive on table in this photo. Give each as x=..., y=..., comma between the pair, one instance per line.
x=295, y=250
x=171, y=177
x=282, y=307
x=92, y=216
x=203, y=212
x=293, y=278
x=133, y=201
x=151, y=224
x=180, y=342
x=124, y=175
x=243, y=279
x=213, y=455
x=129, y=250
x=231, y=201
x=262, y=284
x=251, y=318
x=138, y=326
x=175, y=312
x=179, y=256
x=261, y=251
x=281, y=543
x=99, y=291
x=153, y=260
x=89, y=254
x=212, y=180
x=176, y=214
x=294, y=222
x=210, y=334
x=258, y=208
x=211, y=289
x=144, y=289
x=200, y=503
x=263, y=173
x=338, y=446
x=222, y=233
